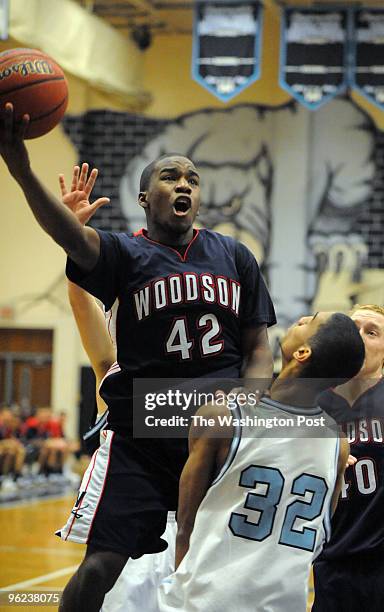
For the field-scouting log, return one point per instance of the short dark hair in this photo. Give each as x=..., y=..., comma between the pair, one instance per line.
x=337, y=351
x=146, y=174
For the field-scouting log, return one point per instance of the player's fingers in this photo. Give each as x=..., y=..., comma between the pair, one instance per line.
x=22, y=127
x=8, y=120
x=99, y=202
x=91, y=181
x=75, y=178
x=83, y=176
x=63, y=187
x=351, y=460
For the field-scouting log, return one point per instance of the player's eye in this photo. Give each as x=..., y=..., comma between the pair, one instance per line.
x=193, y=181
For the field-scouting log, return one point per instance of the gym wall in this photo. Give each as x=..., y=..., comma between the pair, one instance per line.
x=302, y=189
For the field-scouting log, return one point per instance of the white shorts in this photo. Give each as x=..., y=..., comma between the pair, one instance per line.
x=136, y=587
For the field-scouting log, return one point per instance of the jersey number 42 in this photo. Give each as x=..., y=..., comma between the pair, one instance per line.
x=179, y=341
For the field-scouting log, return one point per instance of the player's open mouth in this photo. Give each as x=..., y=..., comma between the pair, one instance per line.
x=182, y=205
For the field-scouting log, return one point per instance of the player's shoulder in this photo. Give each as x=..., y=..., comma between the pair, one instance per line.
x=378, y=388
x=220, y=240
x=374, y=401
x=124, y=240
x=212, y=420
x=244, y=258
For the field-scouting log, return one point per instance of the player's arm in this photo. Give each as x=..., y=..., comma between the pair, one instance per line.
x=94, y=335
x=81, y=243
x=256, y=314
x=88, y=315
x=205, y=458
x=258, y=358
x=341, y=465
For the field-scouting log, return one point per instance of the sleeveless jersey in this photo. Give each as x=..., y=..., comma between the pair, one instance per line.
x=357, y=525
x=262, y=521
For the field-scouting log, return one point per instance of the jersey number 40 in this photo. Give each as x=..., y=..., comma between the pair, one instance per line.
x=267, y=503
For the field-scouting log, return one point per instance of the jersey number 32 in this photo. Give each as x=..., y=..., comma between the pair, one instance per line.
x=267, y=503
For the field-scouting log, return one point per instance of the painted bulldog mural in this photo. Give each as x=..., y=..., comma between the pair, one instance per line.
x=287, y=182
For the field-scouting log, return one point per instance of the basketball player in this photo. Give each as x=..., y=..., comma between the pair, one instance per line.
x=253, y=508
x=138, y=582
x=140, y=578
x=191, y=304
x=349, y=573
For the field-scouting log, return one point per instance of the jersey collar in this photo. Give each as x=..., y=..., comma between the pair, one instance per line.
x=144, y=233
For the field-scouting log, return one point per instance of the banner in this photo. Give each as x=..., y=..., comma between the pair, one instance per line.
x=313, y=61
x=367, y=71
x=226, y=46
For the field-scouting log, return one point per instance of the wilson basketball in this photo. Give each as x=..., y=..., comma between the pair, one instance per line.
x=36, y=85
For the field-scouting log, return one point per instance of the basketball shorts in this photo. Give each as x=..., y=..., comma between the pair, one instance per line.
x=125, y=495
x=349, y=585
x=136, y=587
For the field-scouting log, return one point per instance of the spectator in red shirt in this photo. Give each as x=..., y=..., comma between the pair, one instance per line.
x=12, y=451
x=45, y=441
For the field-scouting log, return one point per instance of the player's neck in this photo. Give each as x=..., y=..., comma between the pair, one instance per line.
x=299, y=392
x=163, y=236
x=352, y=390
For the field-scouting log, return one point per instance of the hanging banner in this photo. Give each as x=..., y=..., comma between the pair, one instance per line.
x=367, y=72
x=313, y=54
x=226, y=46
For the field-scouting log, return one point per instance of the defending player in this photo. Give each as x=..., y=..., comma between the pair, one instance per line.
x=254, y=507
x=349, y=573
x=191, y=304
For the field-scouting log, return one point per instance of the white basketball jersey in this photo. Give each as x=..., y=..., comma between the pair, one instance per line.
x=263, y=520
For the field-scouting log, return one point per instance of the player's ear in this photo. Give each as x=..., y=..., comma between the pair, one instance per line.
x=143, y=199
x=302, y=354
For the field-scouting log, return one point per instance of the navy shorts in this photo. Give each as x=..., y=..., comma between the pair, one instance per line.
x=125, y=495
x=354, y=584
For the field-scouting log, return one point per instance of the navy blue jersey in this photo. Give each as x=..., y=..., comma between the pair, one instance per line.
x=179, y=315
x=357, y=525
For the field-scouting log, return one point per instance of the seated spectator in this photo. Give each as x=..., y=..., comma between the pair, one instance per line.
x=45, y=442
x=12, y=451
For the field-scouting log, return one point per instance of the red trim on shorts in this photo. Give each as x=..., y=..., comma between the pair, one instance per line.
x=85, y=490
x=113, y=368
x=102, y=490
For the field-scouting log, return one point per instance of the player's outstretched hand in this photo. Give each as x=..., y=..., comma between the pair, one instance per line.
x=12, y=147
x=351, y=461
x=77, y=199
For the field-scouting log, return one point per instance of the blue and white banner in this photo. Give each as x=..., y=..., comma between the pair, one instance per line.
x=367, y=70
x=226, y=46
x=313, y=54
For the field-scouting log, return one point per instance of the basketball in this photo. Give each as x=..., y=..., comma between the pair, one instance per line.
x=35, y=85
